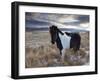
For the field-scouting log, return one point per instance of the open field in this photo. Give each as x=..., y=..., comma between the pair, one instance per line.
x=39, y=52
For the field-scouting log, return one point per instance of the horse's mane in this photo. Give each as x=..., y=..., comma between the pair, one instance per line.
x=56, y=28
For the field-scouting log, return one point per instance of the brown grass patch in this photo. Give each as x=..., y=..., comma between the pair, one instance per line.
x=40, y=52
x=46, y=56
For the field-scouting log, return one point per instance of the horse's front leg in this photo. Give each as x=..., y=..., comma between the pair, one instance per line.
x=62, y=55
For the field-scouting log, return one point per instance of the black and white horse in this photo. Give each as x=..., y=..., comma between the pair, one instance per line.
x=64, y=40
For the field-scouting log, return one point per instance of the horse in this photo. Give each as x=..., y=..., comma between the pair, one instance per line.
x=64, y=40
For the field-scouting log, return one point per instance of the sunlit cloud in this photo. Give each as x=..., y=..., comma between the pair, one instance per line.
x=40, y=20
x=85, y=25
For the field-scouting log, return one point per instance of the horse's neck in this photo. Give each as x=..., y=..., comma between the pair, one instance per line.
x=58, y=42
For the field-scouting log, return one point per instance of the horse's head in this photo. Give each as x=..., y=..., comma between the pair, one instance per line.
x=53, y=33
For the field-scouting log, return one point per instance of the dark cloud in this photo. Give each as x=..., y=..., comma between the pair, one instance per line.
x=83, y=18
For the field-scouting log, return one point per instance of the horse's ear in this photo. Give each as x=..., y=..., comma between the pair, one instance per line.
x=56, y=27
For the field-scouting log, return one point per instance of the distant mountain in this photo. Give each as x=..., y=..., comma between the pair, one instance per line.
x=36, y=29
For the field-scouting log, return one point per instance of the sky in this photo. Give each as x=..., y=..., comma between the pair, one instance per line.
x=45, y=20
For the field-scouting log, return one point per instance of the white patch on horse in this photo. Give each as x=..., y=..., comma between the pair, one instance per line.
x=65, y=41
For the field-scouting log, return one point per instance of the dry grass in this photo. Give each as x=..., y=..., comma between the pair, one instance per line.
x=40, y=52
x=42, y=56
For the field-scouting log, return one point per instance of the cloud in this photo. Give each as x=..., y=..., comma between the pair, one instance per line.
x=83, y=18
x=85, y=25
x=61, y=20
